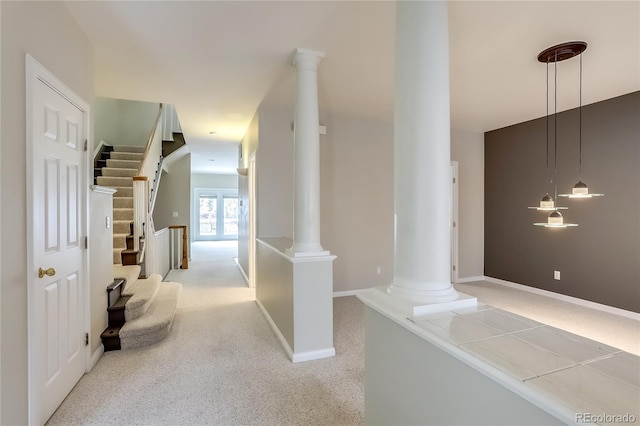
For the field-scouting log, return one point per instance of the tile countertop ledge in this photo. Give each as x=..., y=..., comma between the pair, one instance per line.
x=561, y=373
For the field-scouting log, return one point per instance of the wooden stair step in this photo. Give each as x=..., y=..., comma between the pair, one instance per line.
x=111, y=338
x=116, y=312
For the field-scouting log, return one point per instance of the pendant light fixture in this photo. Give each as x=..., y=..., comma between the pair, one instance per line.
x=580, y=189
x=556, y=54
x=546, y=203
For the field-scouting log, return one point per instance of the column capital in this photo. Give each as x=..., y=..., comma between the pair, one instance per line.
x=307, y=59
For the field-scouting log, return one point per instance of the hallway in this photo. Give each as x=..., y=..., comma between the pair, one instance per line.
x=222, y=364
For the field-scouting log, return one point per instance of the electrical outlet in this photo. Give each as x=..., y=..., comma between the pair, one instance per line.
x=379, y=270
x=107, y=222
x=174, y=214
x=556, y=275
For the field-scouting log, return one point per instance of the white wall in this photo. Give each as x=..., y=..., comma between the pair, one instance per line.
x=100, y=261
x=206, y=180
x=48, y=32
x=356, y=175
x=174, y=195
x=124, y=122
x=274, y=164
x=468, y=149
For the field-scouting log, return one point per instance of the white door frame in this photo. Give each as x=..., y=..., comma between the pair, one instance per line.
x=252, y=219
x=36, y=72
x=454, y=222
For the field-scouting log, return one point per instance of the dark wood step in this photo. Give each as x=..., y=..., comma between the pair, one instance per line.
x=111, y=338
x=114, y=290
x=129, y=242
x=116, y=311
x=130, y=257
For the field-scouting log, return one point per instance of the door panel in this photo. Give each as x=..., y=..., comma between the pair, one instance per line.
x=57, y=193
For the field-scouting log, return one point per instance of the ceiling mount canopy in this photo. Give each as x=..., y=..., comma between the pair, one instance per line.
x=562, y=51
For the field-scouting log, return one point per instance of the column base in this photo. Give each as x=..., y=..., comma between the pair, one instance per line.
x=306, y=250
x=382, y=297
x=423, y=296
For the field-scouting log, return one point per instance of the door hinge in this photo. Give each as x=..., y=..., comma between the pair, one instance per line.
x=454, y=180
x=454, y=224
x=454, y=267
x=85, y=144
x=86, y=339
x=86, y=243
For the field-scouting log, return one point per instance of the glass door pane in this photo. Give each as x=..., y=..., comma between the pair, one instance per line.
x=230, y=216
x=208, y=215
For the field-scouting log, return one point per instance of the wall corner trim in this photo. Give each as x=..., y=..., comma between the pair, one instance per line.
x=274, y=327
x=347, y=293
x=570, y=299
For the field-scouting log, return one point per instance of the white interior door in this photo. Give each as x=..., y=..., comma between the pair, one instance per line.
x=56, y=128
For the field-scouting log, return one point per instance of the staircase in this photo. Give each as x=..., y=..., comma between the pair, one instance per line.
x=142, y=310
x=116, y=168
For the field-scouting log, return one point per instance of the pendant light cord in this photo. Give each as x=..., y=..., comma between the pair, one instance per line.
x=547, y=118
x=580, y=125
x=555, y=126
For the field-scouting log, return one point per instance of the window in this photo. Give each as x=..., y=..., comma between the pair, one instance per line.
x=216, y=214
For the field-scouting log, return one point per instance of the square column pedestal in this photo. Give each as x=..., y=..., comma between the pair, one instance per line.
x=295, y=294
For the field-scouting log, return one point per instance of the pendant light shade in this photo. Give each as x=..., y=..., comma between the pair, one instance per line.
x=580, y=190
x=555, y=220
x=547, y=204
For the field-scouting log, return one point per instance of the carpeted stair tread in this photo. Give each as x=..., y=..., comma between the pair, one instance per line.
x=156, y=323
x=117, y=181
x=122, y=226
x=142, y=293
x=129, y=272
x=120, y=241
x=129, y=148
x=122, y=202
x=123, y=164
x=117, y=256
x=117, y=172
x=123, y=214
x=123, y=191
x=127, y=156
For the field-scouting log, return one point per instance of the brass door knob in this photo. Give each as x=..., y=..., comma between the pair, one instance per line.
x=48, y=272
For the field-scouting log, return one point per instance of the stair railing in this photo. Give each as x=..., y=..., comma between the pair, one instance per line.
x=142, y=196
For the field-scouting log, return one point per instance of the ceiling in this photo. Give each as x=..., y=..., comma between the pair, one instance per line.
x=216, y=61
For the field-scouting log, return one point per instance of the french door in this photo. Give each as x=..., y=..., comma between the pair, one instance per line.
x=216, y=214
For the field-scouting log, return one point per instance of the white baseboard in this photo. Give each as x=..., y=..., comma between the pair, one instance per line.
x=570, y=299
x=347, y=293
x=311, y=355
x=274, y=327
x=95, y=357
x=470, y=279
x=246, y=278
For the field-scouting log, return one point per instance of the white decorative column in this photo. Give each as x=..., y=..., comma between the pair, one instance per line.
x=422, y=262
x=306, y=218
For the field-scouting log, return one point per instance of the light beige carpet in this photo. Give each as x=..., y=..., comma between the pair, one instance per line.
x=222, y=364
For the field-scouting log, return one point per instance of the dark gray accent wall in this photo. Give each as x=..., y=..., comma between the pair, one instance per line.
x=599, y=260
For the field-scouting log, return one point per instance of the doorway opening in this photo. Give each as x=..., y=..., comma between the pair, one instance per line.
x=216, y=214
